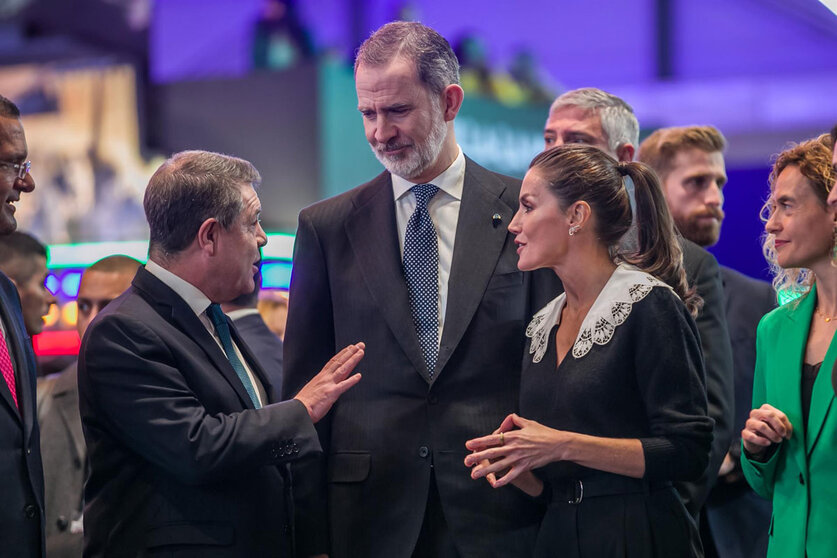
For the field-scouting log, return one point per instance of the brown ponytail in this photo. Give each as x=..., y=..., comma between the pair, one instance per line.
x=659, y=253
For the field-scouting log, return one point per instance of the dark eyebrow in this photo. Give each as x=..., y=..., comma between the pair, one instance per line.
x=785, y=198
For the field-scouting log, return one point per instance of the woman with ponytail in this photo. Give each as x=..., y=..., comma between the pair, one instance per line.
x=612, y=393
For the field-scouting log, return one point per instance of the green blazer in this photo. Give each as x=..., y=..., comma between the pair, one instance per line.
x=801, y=476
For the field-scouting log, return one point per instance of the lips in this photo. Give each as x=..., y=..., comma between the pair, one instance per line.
x=779, y=243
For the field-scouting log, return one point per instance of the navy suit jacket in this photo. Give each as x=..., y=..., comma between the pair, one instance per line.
x=180, y=461
x=401, y=424
x=21, y=472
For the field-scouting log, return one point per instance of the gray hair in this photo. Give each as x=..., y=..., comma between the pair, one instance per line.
x=435, y=61
x=619, y=122
x=188, y=189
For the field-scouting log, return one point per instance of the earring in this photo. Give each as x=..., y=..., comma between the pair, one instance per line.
x=834, y=246
x=575, y=228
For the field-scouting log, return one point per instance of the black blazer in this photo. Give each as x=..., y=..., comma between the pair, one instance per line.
x=180, y=462
x=747, y=301
x=702, y=272
x=266, y=346
x=383, y=438
x=21, y=474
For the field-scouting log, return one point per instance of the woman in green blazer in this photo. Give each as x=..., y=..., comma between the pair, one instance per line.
x=790, y=438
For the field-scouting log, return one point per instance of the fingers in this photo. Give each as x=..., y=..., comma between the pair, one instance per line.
x=348, y=366
x=490, y=441
x=343, y=387
x=488, y=454
x=507, y=424
x=769, y=422
x=518, y=421
x=753, y=442
x=510, y=476
x=486, y=467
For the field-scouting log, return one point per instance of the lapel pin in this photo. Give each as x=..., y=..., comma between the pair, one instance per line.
x=496, y=219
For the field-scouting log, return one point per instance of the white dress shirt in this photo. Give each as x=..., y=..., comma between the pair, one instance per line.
x=198, y=302
x=444, y=212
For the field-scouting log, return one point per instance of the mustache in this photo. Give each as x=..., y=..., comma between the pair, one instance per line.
x=715, y=212
x=389, y=146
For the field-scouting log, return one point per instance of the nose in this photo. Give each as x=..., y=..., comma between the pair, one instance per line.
x=514, y=226
x=25, y=184
x=714, y=196
x=384, y=130
x=832, y=197
x=261, y=236
x=771, y=226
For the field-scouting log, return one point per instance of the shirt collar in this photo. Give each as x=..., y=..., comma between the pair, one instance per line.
x=450, y=181
x=192, y=295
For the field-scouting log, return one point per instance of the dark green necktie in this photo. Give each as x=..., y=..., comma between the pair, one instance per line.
x=222, y=328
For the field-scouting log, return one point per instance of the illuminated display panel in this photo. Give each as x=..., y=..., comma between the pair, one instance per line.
x=67, y=262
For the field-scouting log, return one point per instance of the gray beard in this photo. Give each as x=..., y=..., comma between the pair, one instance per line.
x=421, y=156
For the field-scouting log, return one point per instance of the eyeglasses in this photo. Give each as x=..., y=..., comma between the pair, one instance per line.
x=20, y=169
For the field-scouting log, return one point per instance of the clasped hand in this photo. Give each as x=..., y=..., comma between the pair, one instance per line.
x=512, y=451
x=767, y=425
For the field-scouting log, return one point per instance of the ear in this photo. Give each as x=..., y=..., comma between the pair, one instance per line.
x=207, y=237
x=579, y=214
x=452, y=97
x=625, y=153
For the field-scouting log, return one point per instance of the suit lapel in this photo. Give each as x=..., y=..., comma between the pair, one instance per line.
x=475, y=253
x=373, y=235
x=822, y=398
x=794, y=337
x=175, y=310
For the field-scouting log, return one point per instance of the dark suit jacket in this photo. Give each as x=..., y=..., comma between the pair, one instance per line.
x=180, y=462
x=702, y=272
x=266, y=346
x=386, y=435
x=747, y=300
x=65, y=460
x=21, y=475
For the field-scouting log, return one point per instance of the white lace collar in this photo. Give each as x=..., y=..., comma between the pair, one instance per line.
x=612, y=307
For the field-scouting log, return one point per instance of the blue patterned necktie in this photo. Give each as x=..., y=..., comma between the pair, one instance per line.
x=421, y=269
x=222, y=328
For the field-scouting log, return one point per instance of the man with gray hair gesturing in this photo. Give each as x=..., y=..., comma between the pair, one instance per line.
x=419, y=264
x=605, y=121
x=188, y=445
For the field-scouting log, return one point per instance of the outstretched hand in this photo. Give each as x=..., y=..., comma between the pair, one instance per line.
x=331, y=382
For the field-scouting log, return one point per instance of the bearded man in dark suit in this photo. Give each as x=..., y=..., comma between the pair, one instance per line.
x=419, y=264
x=187, y=444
